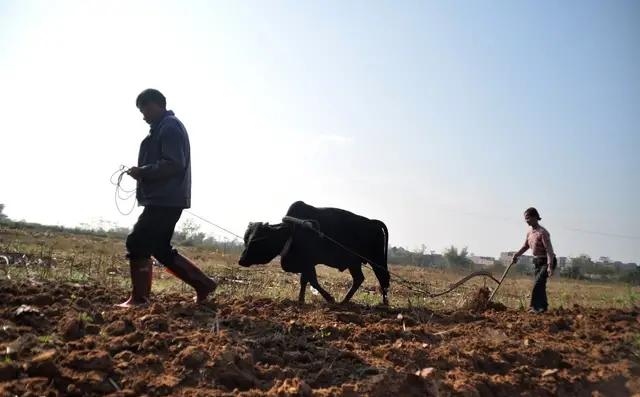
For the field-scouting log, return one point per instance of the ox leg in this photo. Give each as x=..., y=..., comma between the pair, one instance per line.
x=382, y=273
x=311, y=276
x=358, y=278
x=303, y=287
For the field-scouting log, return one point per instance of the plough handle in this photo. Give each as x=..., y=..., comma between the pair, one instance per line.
x=504, y=275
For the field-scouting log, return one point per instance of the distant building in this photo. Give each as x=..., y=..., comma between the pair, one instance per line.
x=624, y=267
x=506, y=257
x=434, y=260
x=562, y=262
x=483, y=260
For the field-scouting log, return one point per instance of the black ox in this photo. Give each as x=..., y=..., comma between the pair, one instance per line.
x=301, y=248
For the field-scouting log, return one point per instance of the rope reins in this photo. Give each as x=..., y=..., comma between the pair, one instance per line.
x=311, y=225
x=122, y=194
x=213, y=224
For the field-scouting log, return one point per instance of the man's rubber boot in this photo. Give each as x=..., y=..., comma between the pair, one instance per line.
x=187, y=271
x=141, y=277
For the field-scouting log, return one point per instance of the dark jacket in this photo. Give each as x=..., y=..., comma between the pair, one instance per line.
x=165, y=162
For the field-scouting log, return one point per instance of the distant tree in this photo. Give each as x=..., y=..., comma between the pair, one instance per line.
x=497, y=267
x=102, y=224
x=423, y=255
x=190, y=228
x=457, y=259
x=632, y=277
x=423, y=249
x=578, y=267
x=604, y=270
x=2, y=215
x=571, y=272
x=121, y=230
x=584, y=263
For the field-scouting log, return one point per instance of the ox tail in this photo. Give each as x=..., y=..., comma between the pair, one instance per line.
x=381, y=269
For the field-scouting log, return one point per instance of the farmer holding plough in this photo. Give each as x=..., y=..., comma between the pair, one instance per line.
x=163, y=178
x=539, y=240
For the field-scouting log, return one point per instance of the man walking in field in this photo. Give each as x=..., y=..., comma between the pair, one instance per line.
x=539, y=240
x=163, y=178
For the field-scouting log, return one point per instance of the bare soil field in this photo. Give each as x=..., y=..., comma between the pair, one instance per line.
x=60, y=333
x=69, y=339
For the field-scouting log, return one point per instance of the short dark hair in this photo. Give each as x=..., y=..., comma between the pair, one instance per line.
x=532, y=212
x=150, y=95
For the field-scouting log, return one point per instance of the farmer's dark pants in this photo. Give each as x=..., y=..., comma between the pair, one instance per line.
x=539, y=293
x=151, y=235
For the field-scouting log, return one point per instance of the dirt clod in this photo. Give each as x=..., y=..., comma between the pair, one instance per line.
x=153, y=322
x=193, y=357
x=118, y=328
x=88, y=360
x=479, y=301
x=72, y=327
x=8, y=371
x=43, y=364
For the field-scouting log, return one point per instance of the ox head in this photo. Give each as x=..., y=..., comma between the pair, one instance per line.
x=262, y=243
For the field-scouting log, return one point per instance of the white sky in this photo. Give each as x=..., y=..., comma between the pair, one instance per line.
x=409, y=114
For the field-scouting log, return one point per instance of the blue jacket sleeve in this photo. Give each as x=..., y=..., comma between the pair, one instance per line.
x=173, y=159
